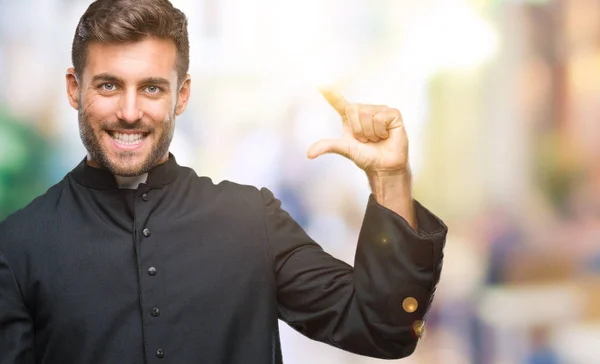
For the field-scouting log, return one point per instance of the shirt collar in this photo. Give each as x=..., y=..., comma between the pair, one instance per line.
x=102, y=179
x=131, y=183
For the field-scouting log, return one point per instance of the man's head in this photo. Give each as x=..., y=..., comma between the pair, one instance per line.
x=128, y=82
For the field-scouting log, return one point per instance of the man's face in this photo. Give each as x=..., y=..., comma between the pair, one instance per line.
x=127, y=98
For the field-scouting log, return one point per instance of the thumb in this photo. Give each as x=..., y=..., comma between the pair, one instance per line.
x=324, y=146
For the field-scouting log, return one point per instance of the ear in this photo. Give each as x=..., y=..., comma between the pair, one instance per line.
x=72, y=88
x=183, y=95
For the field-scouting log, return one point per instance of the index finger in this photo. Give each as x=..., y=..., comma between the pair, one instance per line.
x=336, y=100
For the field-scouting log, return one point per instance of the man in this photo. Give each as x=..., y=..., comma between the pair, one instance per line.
x=132, y=258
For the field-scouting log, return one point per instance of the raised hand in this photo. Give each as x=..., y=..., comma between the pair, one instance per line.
x=373, y=136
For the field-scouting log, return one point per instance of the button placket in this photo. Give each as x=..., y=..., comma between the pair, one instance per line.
x=151, y=298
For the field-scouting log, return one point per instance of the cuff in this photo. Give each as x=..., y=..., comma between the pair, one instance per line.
x=398, y=264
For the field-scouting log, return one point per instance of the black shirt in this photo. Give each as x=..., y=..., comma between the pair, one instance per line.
x=182, y=270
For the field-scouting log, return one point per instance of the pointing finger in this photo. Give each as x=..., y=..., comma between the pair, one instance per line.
x=336, y=100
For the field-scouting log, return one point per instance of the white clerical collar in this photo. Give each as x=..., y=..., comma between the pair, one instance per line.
x=131, y=183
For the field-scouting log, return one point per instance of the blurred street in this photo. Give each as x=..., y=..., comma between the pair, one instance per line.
x=501, y=103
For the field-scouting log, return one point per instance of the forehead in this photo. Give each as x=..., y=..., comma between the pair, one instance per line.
x=150, y=57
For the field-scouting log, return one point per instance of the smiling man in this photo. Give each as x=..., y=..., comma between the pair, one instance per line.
x=129, y=84
x=132, y=258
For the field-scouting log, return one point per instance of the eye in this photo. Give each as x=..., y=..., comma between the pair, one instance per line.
x=153, y=89
x=108, y=86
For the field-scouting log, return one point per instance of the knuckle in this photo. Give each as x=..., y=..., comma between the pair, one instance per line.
x=379, y=118
x=369, y=133
x=372, y=137
x=365, y=113
x=380, y=131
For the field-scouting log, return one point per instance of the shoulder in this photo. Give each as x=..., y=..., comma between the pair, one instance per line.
x=225, y=192
x=33, y=220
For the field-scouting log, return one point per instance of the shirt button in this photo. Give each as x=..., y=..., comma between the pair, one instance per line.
x=155, y=312
x=419, y=328
x=152, y=271
x=410, y=304
x=160, y=353
x=145, y=197
x=146, y=232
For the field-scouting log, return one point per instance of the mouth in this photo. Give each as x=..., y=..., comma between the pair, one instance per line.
x=129, y=139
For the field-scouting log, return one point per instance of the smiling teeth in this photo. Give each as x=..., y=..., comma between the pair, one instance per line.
x=128, y=139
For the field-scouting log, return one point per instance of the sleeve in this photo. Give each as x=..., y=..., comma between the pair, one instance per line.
x=16, y=325
x=375, y=309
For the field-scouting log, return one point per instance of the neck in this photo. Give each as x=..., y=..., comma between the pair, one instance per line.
x=123, y=181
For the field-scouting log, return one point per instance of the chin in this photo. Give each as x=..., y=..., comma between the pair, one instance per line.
x=125, y=172
x=127, y=165
x=130, y=170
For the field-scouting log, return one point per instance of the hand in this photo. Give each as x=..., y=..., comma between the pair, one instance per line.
x=373, y=136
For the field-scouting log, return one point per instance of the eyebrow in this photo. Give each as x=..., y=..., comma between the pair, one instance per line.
x=107, y=77
x=159, y=81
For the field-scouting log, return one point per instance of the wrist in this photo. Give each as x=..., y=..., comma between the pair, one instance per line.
x=393, y=190
x=400, y=181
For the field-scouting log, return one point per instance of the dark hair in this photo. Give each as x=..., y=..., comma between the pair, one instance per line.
x=123, y=21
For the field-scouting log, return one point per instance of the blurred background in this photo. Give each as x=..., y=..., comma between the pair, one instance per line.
x=500, y=99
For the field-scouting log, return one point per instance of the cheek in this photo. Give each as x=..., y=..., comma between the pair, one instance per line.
x=159, y=111
x=100, y=108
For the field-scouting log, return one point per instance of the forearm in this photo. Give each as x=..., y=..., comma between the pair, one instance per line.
x=393, y=190
x=362, y=308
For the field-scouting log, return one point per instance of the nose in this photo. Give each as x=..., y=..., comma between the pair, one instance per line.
x=128, y=109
